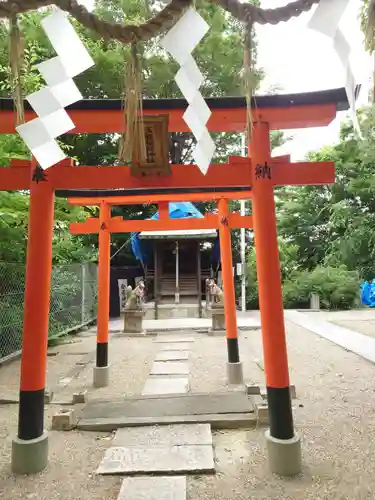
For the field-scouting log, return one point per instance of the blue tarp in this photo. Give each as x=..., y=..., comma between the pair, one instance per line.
x=368, y=293
x=142, y=249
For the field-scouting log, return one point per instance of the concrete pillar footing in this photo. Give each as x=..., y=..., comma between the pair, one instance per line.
x=30, y=456
x=284, y=455
x=235, y=373
x=101, y=376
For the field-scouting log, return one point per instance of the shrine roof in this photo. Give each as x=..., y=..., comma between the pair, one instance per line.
x=330, y=96
x=307, y=109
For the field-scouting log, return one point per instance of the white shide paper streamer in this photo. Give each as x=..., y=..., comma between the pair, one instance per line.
x=49, y=102
x=180, y=42
x=325, y=20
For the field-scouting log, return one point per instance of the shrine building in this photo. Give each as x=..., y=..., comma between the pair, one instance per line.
x=176, y=264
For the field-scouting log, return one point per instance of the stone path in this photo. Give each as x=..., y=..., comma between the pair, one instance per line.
x=167, y=449
x=348, y=339
x=170, y=372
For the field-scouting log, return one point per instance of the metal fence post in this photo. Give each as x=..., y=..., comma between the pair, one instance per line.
x=83, y=281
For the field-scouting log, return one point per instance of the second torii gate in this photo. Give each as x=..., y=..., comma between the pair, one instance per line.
x=105, y=225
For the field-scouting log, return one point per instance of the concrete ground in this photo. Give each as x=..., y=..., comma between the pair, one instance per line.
x=334, y=414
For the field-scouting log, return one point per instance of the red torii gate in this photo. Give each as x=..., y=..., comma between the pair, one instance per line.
x=258, y=174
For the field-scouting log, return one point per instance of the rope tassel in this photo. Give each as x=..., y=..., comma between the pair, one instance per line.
x=248, y=78
x=132, y=141
x=16, y=53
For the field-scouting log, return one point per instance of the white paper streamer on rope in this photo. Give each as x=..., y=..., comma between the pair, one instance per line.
x=180, y=42
x=61, y=91
x=325, y=20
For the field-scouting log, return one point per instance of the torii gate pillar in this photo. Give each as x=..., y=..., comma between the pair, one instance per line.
x=284, y=449
x=101, y=370
x=234, y=366
x=30, y=447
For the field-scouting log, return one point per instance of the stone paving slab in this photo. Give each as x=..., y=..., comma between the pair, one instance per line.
x=155, y=386
x=164, y=405
x=162, y=459
x=153, y=488
x=172, y=356
x=217, y=421
x=163, y=435
x=170, y=368
x=165, y=339
x=177, y=346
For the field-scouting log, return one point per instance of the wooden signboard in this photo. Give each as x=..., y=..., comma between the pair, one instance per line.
x=157, y=148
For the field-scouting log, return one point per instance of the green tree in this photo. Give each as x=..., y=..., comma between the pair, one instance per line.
x=335, y=225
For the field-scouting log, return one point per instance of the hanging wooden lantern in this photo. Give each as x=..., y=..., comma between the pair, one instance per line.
x=156, y=161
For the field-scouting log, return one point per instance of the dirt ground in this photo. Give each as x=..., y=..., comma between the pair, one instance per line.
x=334, y=414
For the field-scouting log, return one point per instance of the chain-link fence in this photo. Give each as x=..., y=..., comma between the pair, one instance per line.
x=73, y=302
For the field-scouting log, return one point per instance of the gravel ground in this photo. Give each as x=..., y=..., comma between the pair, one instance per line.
x=71, y=471
x=334, y=414
x=208, y=373
x=130, y=363
x=68, y=354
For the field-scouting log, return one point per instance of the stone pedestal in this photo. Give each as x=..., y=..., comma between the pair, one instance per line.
x=314, y=302
x=100, y=376
x=284, y=456
x=218, y=321
x=235, y=373
x=133, y=321
x=30, y=457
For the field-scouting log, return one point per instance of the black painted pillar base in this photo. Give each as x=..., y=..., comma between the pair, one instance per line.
x=280, y=412
x=101, y=370
x=233, y=350
x=31, y=414
x=102, y=354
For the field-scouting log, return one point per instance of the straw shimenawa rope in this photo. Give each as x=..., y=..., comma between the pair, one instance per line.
x=133, y=34
x=246, y=13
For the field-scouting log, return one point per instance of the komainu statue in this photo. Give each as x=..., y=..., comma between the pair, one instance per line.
x=216, y=293
x=135, y=298
x=216, y=299
x=134, y=309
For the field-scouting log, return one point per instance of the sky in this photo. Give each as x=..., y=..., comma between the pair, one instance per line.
x=300, y=60
x=297, y=59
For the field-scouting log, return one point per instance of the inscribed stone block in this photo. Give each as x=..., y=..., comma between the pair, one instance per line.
x=121, y=460
x=163, y=435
